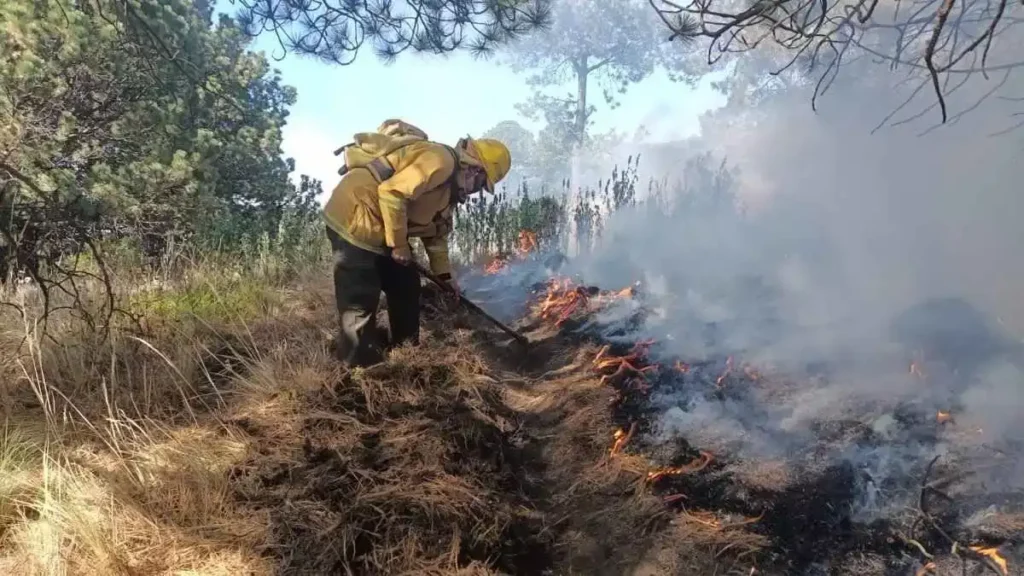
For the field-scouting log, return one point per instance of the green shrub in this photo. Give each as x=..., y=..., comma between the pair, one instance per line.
x=212, y=300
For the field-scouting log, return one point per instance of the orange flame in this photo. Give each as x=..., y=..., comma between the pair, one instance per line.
x=621, y=438
x=943, y=416
x=562, y=299
x=928, y=568
x=627, y=292
x=695, y=465
x=993, y=555
x=617, y=367
x=527, y=243
x=751, y=373
x=706, y=518
x=496, y=265
x=682, y=367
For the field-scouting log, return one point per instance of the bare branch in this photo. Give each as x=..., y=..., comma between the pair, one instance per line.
x=935, y=38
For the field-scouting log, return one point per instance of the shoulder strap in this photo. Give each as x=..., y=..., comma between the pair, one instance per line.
x=379, y=166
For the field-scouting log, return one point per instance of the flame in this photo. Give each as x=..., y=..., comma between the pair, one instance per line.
x=626, y=292
x=730, y=367
x=746, y=520
x=695, y=465
x=496, y=265
x=631, y=366
x=943, y=416
x=527, y=243
x=993, y=555
x=728, y=370
x=928, y=568
x=751, y=373
x=621, y=438
x=706, y=518
x=609, y=296
x=682, y=367
x=562, y=299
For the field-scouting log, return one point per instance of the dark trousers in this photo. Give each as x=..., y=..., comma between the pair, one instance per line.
x=359, y=278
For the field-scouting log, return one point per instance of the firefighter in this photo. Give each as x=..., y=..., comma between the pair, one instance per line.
x=397, y=184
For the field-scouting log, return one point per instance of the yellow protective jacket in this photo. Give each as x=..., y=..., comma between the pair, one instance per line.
x=416, y=201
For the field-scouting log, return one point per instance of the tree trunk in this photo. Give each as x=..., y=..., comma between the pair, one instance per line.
x=579, y=135
x=582, y=71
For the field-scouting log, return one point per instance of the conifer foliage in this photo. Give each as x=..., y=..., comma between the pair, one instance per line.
x=140, y=120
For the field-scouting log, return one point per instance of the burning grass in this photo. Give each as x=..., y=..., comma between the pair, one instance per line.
x=239, y=446
x=527, y=244
x=807, y=509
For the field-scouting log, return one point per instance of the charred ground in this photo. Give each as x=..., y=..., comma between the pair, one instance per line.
x=806, y=509
x=468, y=456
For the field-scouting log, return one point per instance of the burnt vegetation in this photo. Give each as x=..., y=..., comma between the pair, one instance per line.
x=799, y=515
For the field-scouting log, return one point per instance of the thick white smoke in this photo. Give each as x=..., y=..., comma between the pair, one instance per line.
x=846, y=233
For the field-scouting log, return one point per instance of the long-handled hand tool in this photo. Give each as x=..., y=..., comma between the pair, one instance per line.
x=522, y=340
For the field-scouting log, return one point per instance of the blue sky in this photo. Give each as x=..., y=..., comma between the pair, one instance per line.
x=335, y=102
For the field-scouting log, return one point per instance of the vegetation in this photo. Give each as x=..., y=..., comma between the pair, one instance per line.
x=574, y=220
x=170, y=404
x=105, y=138
x=215, y=434
x=489, y=225
x=936, y=44
x=335, y=30
x=599, y=43
x=204, y=436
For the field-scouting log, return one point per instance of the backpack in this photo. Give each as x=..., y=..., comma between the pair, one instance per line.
x=370, y=149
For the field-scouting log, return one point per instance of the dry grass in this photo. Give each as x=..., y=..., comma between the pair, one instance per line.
x=236, y=445
x=407, y=467
x=115, y=455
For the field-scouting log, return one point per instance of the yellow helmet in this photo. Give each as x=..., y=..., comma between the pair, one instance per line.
x=494, y=157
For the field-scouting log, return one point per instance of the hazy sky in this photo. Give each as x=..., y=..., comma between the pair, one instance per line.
x=334, y=102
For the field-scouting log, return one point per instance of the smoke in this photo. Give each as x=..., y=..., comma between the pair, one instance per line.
x=857, y=250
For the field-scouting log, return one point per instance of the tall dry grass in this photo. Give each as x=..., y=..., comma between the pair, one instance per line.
x=116, y=445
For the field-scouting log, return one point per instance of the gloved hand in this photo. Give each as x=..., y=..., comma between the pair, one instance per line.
x=402, y=255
